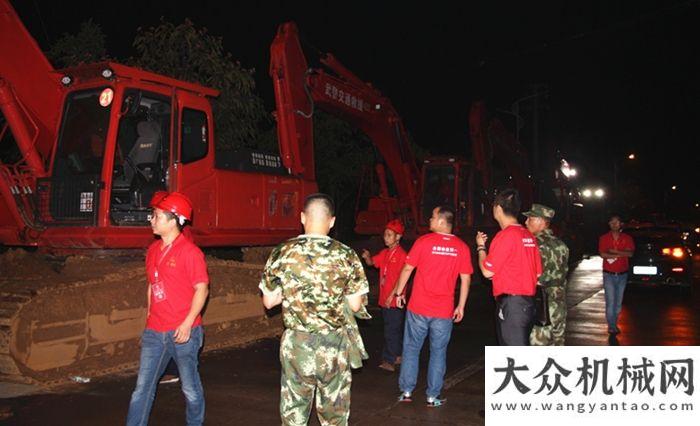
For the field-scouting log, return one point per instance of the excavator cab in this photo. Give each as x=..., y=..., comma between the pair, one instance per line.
x=449, y=181
x=140, y=156
x=70, y=196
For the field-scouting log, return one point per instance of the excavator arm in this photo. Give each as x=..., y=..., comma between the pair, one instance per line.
x=490, y=141
x=30, y=91
x=30, y=99
x=299, y=90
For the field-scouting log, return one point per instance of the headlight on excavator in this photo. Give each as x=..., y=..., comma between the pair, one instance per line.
x=108, y=73
x=66, y=80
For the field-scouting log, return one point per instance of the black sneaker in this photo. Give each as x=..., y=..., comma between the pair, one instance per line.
x=405, y=397
x=435, y=401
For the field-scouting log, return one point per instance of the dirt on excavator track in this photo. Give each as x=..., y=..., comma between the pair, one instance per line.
x=83, y=316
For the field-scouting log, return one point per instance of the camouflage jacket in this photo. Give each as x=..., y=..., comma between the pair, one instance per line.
x=314, y=274
x=555, y=259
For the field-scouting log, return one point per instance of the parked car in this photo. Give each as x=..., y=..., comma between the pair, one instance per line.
x=662, y=256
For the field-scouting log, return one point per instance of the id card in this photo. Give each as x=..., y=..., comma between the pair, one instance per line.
x=158, y=291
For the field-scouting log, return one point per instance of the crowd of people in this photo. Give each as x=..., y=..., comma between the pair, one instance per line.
x=322, y=287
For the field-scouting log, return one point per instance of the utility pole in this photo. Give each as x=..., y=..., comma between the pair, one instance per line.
x=538, y=90
x=536, y=136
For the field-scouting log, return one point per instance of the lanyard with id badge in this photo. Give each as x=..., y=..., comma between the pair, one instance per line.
x=385, y=268
x=158, y=286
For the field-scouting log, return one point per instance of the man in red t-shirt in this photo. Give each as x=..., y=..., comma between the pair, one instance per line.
x=513, y=264
x=439, y=258
x=390, y=262
x=171, y=375
x=177, y=290
x=615, y=248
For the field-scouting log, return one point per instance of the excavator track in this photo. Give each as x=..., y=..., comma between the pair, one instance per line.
x=84, y=316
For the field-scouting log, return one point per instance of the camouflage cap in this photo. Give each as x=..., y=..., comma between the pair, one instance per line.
x=539, y=210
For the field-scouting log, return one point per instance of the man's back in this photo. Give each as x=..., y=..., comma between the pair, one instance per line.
x=514, y=258
x=314, y=273
x=439, y=259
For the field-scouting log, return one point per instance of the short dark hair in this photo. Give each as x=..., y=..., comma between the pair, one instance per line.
x=171, y=216
x=448, y=213
x=509, y=200
x=614, y=216
x=322, y=198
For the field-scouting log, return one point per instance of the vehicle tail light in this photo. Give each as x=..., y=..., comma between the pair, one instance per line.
x=677, y=269
x=676, y=252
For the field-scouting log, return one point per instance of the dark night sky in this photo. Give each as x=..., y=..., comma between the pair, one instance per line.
x=622, y=76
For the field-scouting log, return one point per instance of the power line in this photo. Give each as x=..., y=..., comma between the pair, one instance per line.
x=575, y=37
x=41, y=21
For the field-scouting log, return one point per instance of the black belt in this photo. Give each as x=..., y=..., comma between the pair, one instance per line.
x=500, y=297
x=615, y=273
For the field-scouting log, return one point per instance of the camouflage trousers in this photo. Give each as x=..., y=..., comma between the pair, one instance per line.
x=553, y=334
x=314, y=363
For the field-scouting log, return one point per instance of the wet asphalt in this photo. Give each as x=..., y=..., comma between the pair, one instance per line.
x=242, y=385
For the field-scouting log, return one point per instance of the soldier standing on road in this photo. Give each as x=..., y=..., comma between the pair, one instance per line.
x=318, y=281
x=615, y=248
x=514, y=265
x=555, y=266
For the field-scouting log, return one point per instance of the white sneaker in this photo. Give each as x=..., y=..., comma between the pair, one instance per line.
x=169, y=378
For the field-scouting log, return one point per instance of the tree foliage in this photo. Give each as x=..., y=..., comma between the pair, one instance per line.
x=192, y=54
x=85, y=46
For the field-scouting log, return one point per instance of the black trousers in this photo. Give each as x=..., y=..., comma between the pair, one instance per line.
x=393, y=333
x=515, y=316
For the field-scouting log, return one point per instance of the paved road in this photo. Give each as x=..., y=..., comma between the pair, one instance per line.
x=651, y=315
x=242, y=385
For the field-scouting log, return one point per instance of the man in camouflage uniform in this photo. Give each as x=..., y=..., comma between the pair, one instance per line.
x=555, y=258
x=318, y=281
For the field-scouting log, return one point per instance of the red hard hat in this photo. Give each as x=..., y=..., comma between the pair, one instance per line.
x=177, y=203
x=396, y=226
x=157, y=198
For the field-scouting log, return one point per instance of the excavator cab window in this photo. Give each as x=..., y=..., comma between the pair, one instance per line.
x=70, y=195
x=438, y=188
x=195, y=141
x=141, y=156
x=464, y=217
x=82, y=140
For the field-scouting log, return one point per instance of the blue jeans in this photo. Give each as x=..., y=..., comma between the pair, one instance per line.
x=393, y=333
x=156, y=350
x=416, y=329
x=614, y=286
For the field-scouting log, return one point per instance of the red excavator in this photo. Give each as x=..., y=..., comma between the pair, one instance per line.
x=498, y=156
x=299, y=90
x=498, y=159
x=88, y=146
x=84, y=149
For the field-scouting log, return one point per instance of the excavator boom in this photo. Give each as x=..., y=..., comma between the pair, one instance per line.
x=34, y=82
x=299, y=90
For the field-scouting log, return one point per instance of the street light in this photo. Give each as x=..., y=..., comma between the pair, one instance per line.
x=674, y=187
x=630, y=156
